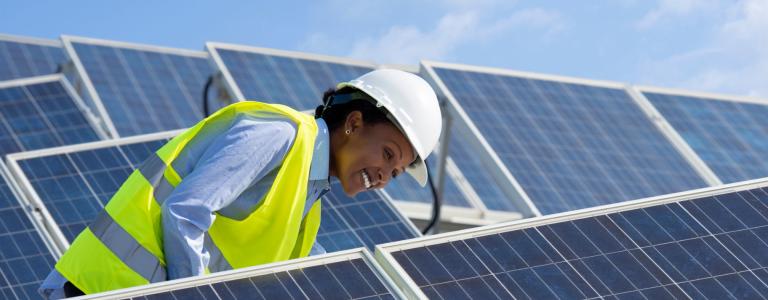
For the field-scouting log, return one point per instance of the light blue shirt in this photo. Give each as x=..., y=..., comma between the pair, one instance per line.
x=227, y=170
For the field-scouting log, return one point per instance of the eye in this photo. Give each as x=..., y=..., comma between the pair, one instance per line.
x=388, y=154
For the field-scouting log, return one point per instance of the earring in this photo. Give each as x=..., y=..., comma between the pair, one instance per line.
x=348, y=131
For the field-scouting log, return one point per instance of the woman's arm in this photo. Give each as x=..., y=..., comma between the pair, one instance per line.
x=233, y=161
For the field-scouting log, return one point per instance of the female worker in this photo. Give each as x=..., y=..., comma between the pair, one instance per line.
x=240, y=188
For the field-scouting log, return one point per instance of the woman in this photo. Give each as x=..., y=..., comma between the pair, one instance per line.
x=240, y=188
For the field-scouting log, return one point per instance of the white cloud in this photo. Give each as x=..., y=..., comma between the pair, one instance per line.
x=408, y=44
x=671, y=9
x=734, y=61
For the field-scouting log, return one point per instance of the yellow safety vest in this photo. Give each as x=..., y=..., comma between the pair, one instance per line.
x=123, y=247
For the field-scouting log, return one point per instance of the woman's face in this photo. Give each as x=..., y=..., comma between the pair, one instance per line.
x=369, y=156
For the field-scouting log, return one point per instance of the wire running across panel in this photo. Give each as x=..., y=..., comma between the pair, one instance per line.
x=41, y=112
x=350, y=274
x=141, y=89
x=275, y=77
x=25, y=260
x=730, y=136
x=75, y=185
x=570, y=145
x=24, y=57
x=710, y=247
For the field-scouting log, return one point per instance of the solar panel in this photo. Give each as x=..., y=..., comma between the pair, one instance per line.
x=42, y=112
x=25, y=258
x=140, y=89
x=22, y=57
x=569, y=144
x=74, y=183
x=729, y=135
x=294, y=79
x=704, y=244
x=351, y=274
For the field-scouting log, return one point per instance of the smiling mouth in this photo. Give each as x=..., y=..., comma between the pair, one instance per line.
x=366, y=180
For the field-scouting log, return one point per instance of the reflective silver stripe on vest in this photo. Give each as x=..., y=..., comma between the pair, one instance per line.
x=217, y=263
x=125, y=247
x=153, y=169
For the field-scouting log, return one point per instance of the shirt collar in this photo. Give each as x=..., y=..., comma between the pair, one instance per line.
x=320, y=158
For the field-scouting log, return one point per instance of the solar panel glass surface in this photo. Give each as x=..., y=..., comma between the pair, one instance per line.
x=25, y=59
x=570, y=145
x=144, y=91
x=25, y=260
x=713, y=247
x=41, y=114
x=731, y=137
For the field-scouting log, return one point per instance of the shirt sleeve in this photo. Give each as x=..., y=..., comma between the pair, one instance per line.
x=235, y=159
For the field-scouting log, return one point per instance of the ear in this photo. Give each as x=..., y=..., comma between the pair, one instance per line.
x=354, y=121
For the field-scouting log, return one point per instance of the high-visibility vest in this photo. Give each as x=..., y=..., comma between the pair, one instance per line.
x=123, y=247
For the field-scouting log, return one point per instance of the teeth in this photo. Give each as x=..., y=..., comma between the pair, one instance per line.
x=366, y=180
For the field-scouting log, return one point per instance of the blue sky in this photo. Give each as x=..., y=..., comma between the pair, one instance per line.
x=707, y=45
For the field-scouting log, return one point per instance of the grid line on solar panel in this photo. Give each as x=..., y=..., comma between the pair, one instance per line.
x=351, y=274
x=696, y=244
x=25, y=252
x=41, y=112
x=727, y=133
x=27, y=57
x=569, y=144
x=72, y=184
x=276, y=76
x=140, y=89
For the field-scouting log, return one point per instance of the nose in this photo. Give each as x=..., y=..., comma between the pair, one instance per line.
x=384, y=176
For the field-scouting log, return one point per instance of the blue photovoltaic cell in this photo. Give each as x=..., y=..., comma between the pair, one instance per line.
x=24, y=258
x=145, y=91
x=363, y=221
x=731, y=137
x=76, y=186
x=351, y=279
x=298, y=83
x=571, y=146
x=708, y=248
x=23, y=59
x=41, y=115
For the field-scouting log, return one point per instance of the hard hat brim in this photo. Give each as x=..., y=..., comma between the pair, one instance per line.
x=418, y=170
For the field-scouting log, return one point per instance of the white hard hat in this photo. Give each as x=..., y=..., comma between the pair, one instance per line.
x=413, y=105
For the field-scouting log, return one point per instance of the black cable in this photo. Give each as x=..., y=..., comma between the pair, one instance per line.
x=208, y=83
x=436, y=205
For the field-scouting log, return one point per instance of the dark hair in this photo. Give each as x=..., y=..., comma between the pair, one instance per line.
x=336, y=114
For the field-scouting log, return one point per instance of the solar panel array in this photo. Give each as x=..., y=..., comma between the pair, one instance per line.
x=347, y=275
x=730, y=136
x=141, y=89
x=75, y=183
x=41, y=112
x=278, y=77
x=569, y=145
x=24, y=57
x=25, y=259
x=710, y=247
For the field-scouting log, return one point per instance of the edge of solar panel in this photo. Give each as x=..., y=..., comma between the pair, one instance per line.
x=230, y=83
x=671, y=133
x=400, y=276
x=34, y=199
x=707, y=96
x=90, y=91
x=167, y=286
x=30, y=40
x=29, y=209
x=512, y=186
x=92, y=119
